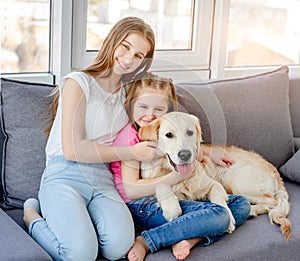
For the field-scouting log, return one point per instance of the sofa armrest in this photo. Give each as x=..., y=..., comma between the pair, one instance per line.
x=16, y=244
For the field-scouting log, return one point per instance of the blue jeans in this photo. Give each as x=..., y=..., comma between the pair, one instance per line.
x=198, y=219
x=82, y=211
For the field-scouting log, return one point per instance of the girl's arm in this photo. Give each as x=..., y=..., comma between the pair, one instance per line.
x=136, y=188
x=76, y=148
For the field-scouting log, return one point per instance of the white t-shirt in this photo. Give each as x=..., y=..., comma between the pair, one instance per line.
x=105, y=115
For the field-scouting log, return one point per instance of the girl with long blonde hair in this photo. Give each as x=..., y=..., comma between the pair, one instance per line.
x=79, y=209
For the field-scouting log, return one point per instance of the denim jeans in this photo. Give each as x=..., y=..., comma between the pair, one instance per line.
x=82, y=211
x=198, y=219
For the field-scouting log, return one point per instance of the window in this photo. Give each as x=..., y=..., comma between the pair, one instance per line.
x=263, y=33
x=171, y=21
x=25, y=36
x=194, y=38
x=182, y=29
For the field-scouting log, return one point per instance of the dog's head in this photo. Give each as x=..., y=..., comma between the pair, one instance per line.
x=178, y=135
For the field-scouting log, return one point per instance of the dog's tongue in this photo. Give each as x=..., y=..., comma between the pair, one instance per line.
x=184, y=169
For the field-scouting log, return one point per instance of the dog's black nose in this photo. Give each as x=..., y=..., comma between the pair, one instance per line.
x=184, y=155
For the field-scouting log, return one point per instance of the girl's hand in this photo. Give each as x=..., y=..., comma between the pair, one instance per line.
x=222, y=161
x=219, y=159
x=146, y=151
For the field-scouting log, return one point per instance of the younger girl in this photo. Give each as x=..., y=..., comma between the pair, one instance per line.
x=205, y=222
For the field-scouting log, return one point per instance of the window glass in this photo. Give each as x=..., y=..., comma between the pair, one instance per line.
x=264, y=32
x=25, y=36
x=171, y=20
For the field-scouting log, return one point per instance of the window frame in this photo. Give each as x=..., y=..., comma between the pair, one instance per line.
x=180, y=59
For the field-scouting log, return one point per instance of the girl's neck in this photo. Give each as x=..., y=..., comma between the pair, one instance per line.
x=110, y=84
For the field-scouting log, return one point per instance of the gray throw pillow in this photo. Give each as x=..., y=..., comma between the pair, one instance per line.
x=23, y=154
x=250, y=112
x=291, y=169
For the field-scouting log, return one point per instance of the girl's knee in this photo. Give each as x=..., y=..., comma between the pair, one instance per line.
x=82, y=246
x=84, y=254
x=116, y=247
x=221, y=218
x=239, y=201
x=80, y=252
x=245, y=206
x=240, y=208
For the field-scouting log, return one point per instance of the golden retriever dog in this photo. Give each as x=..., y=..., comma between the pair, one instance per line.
x=178, y=136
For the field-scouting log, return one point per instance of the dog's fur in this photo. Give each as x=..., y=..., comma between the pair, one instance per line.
x=178, y=136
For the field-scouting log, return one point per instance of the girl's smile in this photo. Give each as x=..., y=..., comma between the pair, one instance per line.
x=149, y=106
x=130, y=54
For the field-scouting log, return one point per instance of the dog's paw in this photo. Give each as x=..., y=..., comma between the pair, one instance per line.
x=171, y=209
x=168, y=202
x=231, y=227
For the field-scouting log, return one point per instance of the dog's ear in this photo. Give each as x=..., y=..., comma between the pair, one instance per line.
x=198, y=129
x=150, y=131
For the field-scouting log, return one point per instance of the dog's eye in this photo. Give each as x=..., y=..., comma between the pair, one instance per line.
x=190, y=133
x=169, y=135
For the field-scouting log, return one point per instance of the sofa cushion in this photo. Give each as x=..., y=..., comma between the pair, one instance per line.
x=291, y=169
x=250, y=112
x=23, y=155
x=16, y=244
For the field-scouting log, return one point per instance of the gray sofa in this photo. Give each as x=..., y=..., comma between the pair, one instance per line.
x=259, y=113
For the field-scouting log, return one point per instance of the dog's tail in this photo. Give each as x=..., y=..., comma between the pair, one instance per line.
x=279, y=213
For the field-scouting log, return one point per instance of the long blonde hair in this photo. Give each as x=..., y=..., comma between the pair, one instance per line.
x=153, y=82
x=103, y=63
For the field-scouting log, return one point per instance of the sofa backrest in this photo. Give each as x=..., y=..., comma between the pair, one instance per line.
x=23, y=141
x=252, y=112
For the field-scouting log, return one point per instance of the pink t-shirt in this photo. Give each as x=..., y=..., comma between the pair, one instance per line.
x=128, y=136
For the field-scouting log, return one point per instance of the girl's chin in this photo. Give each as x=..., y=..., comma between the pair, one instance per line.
x=143, y=123
x=118, y=70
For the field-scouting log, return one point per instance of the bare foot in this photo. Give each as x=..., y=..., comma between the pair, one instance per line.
x=138, y=250
x=182, y=249
x=30, y=215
